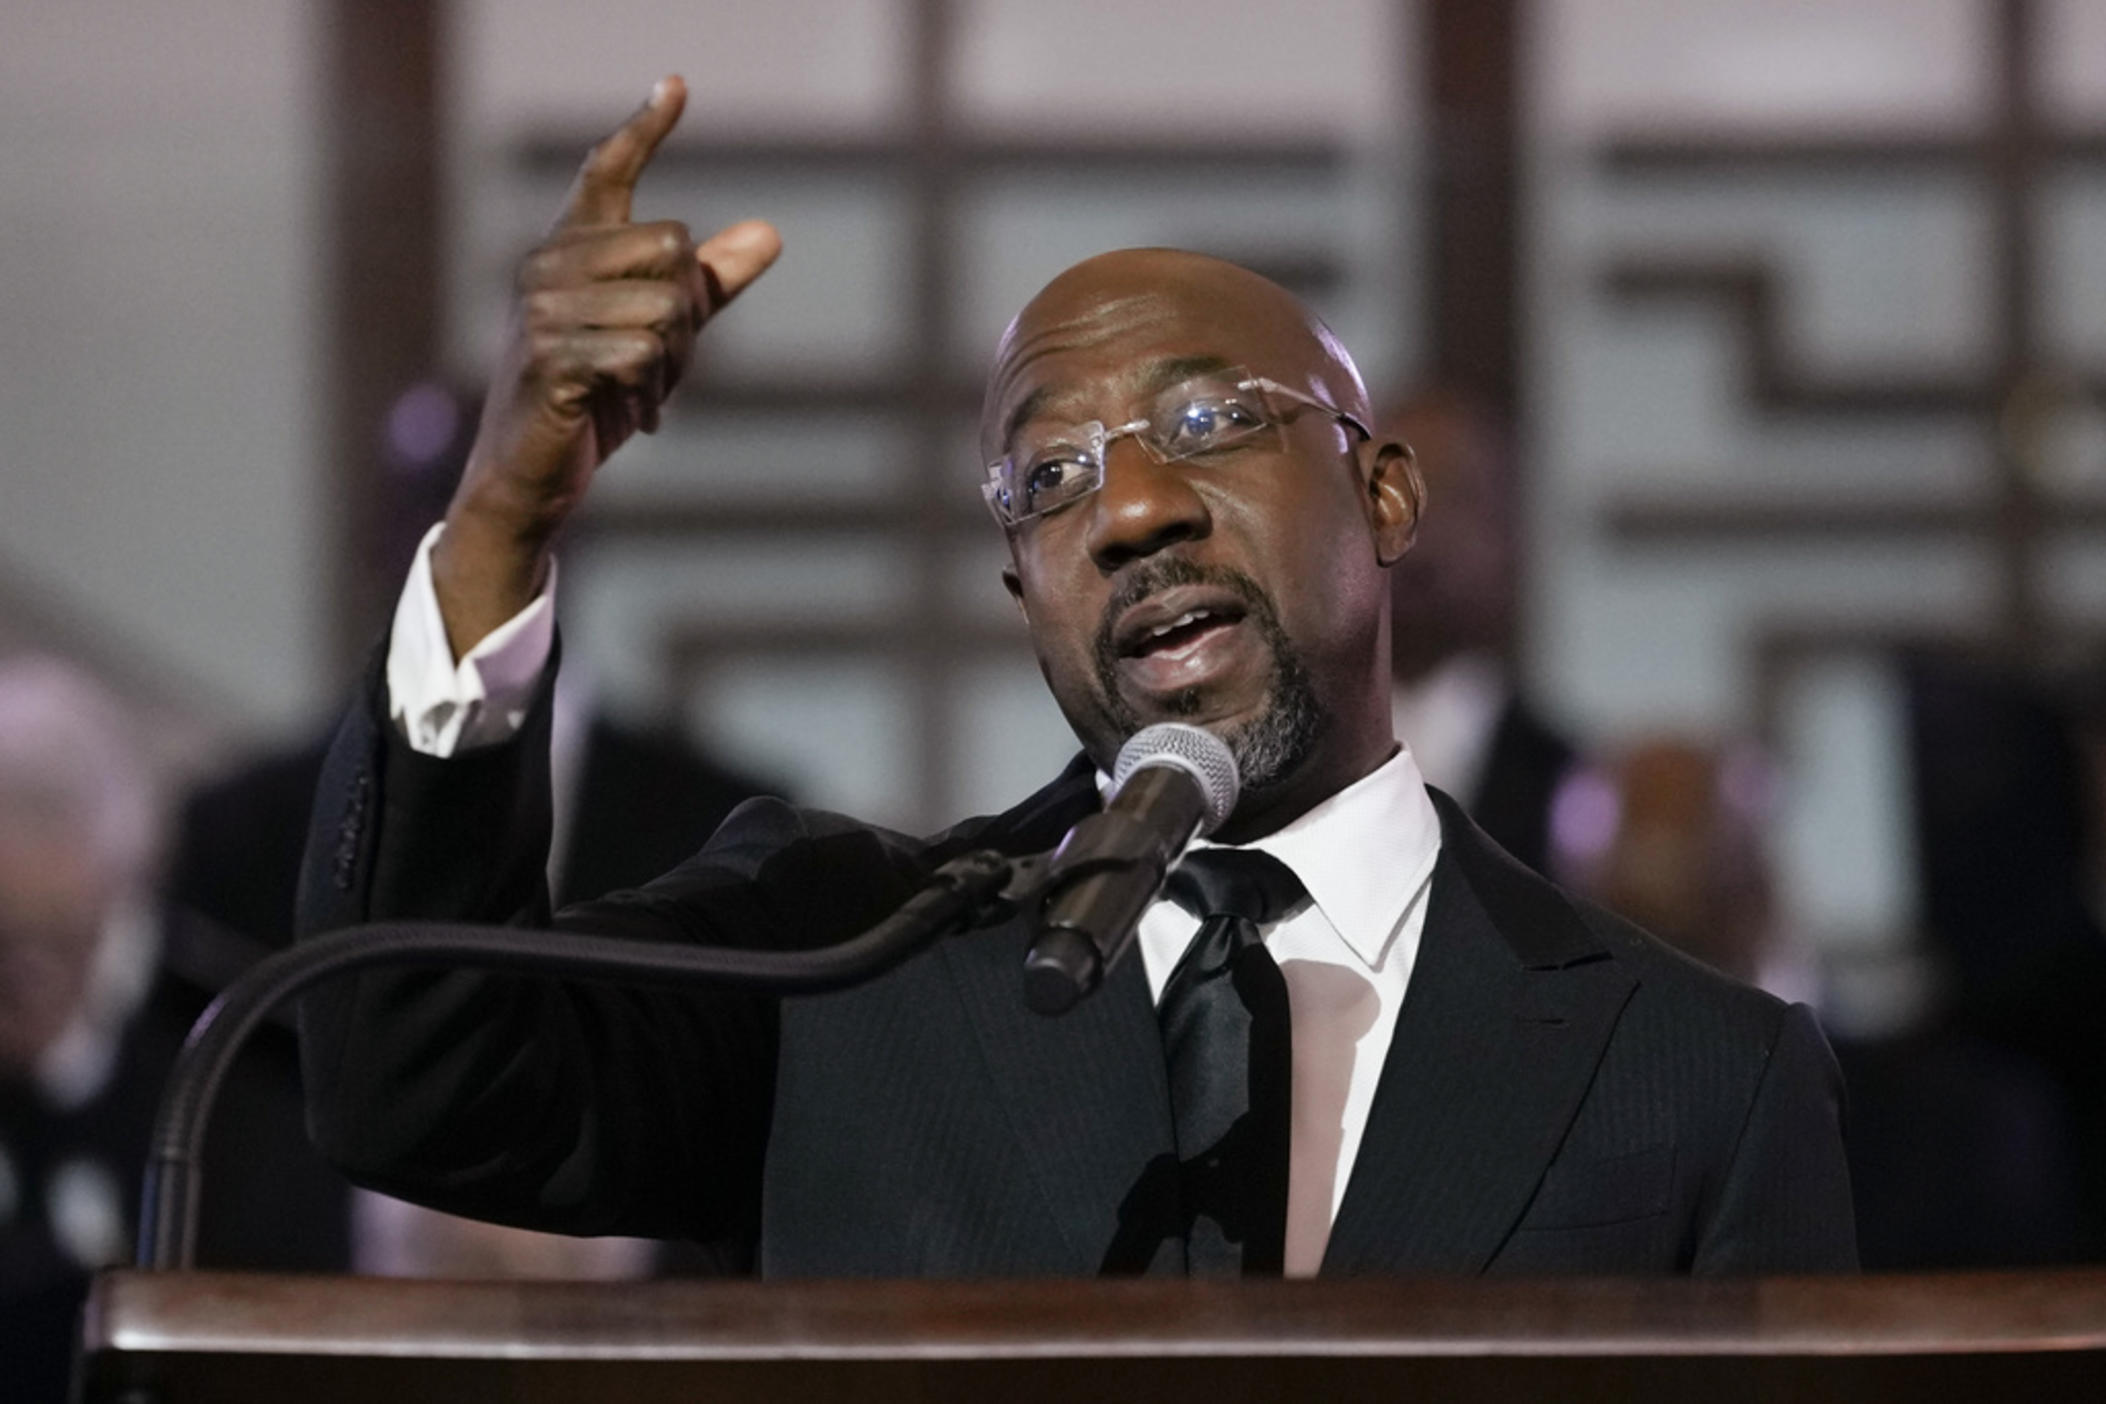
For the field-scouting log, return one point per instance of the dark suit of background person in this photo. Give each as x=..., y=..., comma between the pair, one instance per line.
x=2009, y=776
x=1453, y=641
x=1561, y=1093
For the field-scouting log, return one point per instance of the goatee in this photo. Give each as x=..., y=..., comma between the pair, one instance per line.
x=1271, y=745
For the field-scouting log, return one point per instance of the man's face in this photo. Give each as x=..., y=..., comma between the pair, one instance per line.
x=1243, y=592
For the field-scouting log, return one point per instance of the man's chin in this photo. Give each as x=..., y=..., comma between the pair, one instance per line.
x=1224, y=723
x=1219, y=707
x=1270, y=737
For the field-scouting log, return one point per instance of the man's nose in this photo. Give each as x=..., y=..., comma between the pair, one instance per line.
x=1143, y=506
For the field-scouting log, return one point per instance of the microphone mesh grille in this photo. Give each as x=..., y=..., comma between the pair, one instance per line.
x=1200, y=754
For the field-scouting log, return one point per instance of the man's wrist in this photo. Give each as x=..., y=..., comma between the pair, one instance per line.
x=485, y=574
x=440, y=705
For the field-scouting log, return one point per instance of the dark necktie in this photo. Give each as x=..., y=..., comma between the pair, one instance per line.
x=1227, y=1038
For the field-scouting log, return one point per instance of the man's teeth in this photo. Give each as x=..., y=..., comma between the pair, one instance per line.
x=1189, y=617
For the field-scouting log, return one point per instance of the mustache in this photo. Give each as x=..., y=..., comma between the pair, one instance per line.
x=1154, y=576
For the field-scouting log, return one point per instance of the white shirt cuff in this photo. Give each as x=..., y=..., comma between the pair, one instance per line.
x=441, y=707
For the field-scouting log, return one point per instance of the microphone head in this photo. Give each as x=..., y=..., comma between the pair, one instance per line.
x=1200, y=754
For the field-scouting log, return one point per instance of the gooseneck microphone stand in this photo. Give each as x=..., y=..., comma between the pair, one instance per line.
x=963, y=892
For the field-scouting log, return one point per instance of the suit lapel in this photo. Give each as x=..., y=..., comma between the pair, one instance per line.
x=1085, y=1093
x=1510, y=1004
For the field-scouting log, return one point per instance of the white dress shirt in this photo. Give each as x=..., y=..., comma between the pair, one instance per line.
x=440, y=707
x=1365, y=856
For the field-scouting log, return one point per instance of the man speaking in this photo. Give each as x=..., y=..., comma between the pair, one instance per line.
x=1357, y=1037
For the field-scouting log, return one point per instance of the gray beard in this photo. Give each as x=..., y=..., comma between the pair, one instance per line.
x=1270, y=746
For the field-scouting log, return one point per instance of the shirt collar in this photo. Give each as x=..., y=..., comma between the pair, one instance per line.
x=1364, y=854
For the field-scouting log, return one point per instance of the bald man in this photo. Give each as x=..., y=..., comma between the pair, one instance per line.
x=1485, y=1076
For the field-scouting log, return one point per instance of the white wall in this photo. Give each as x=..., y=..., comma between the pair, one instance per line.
x=158, y=260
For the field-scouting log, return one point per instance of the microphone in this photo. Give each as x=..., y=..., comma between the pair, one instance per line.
x=1171, y=784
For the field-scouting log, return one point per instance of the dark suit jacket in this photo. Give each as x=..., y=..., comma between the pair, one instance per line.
x=645, y=800
x=1563, y=1094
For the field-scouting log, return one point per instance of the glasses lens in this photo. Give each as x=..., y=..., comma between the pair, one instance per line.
x=1206, y=416
x=1046, y=471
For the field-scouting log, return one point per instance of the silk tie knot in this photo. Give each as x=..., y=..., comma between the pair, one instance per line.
x=1245, y=882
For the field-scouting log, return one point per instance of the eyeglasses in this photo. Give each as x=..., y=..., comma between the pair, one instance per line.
x=1055, y=466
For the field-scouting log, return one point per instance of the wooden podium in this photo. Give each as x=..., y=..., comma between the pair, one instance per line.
x=177, y=1337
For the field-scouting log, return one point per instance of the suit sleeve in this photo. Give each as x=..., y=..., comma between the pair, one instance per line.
x=1785, y=1205
x=578, y=1108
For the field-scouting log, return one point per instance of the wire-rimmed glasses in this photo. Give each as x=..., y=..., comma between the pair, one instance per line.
x=1053, y=466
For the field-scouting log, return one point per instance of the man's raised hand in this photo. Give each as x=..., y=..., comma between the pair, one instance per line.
x=603, y=329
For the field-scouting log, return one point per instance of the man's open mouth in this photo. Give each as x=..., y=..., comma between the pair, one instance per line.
x=1187, y=627
x=1180, y=638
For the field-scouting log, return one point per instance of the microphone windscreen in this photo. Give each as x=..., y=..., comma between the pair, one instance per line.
x=1201, y=754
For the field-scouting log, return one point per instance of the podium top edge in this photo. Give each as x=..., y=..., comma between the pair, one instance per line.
x=132, y=1312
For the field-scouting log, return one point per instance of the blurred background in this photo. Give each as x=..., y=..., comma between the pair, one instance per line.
x=1756, y=349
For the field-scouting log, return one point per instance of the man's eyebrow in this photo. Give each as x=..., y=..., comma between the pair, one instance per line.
x=1164, y=374
x=1160, y=377
x=1027, y=409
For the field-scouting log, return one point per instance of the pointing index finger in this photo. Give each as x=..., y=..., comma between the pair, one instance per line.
x=606, y=182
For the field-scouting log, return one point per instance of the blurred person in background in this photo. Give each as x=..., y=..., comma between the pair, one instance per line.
x=79, y=1072
x=97, y=992
x=2065, y=1024
x=2011, y=848
x=1670, y=835
x=1452, y=646
x=1961, y=1150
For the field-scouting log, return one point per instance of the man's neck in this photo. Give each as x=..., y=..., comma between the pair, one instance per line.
x=1273, y=808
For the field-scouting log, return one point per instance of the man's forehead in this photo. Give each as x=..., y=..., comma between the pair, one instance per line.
x=1127, y=323
x=1136, y=383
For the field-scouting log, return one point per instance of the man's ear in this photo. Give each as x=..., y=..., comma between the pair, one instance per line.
x=1396, y=496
